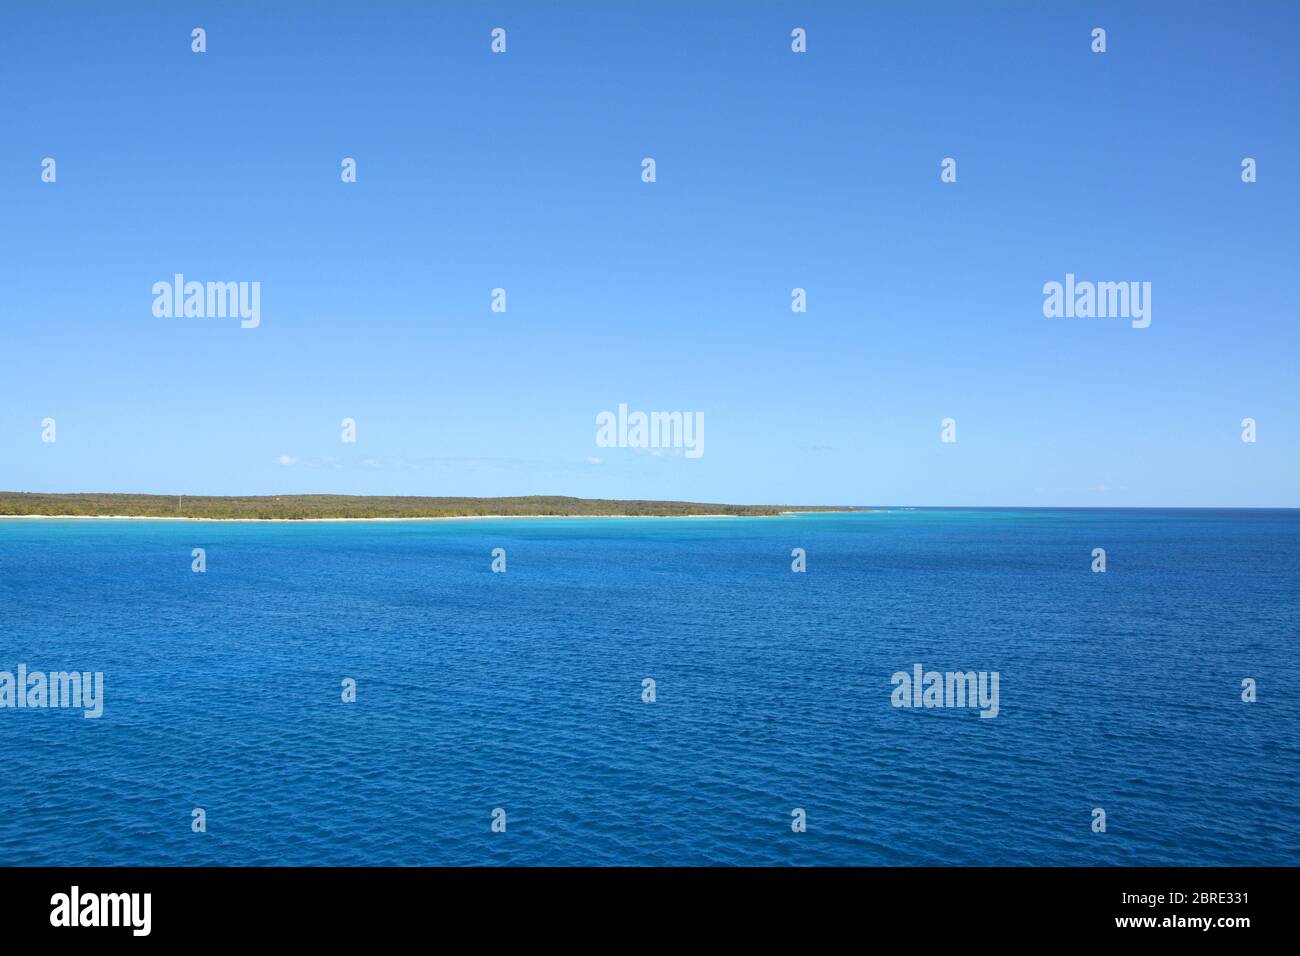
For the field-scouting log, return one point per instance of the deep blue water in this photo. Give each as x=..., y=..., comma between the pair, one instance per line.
x=523, y=690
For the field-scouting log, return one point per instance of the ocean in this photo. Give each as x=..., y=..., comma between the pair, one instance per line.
x=520, y=697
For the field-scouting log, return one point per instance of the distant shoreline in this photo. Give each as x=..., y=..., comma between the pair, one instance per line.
x=31, y=505
x=781, y=514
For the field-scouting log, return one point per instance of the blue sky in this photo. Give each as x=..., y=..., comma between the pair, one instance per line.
x=774, y=170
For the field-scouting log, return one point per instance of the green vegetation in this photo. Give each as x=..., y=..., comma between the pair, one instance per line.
x=358, y=506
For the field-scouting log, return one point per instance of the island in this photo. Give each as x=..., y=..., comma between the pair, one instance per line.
x=342, y=507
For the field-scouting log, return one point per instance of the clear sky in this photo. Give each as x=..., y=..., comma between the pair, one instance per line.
x=775, y=170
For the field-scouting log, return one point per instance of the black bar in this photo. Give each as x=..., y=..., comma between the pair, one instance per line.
x=208, y=905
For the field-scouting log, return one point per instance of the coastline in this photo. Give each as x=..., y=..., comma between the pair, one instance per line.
x=782, y=514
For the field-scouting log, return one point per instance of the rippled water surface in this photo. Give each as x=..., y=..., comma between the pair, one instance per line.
x=523, y=690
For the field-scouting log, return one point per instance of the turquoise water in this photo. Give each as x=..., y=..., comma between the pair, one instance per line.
x=523, y=690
